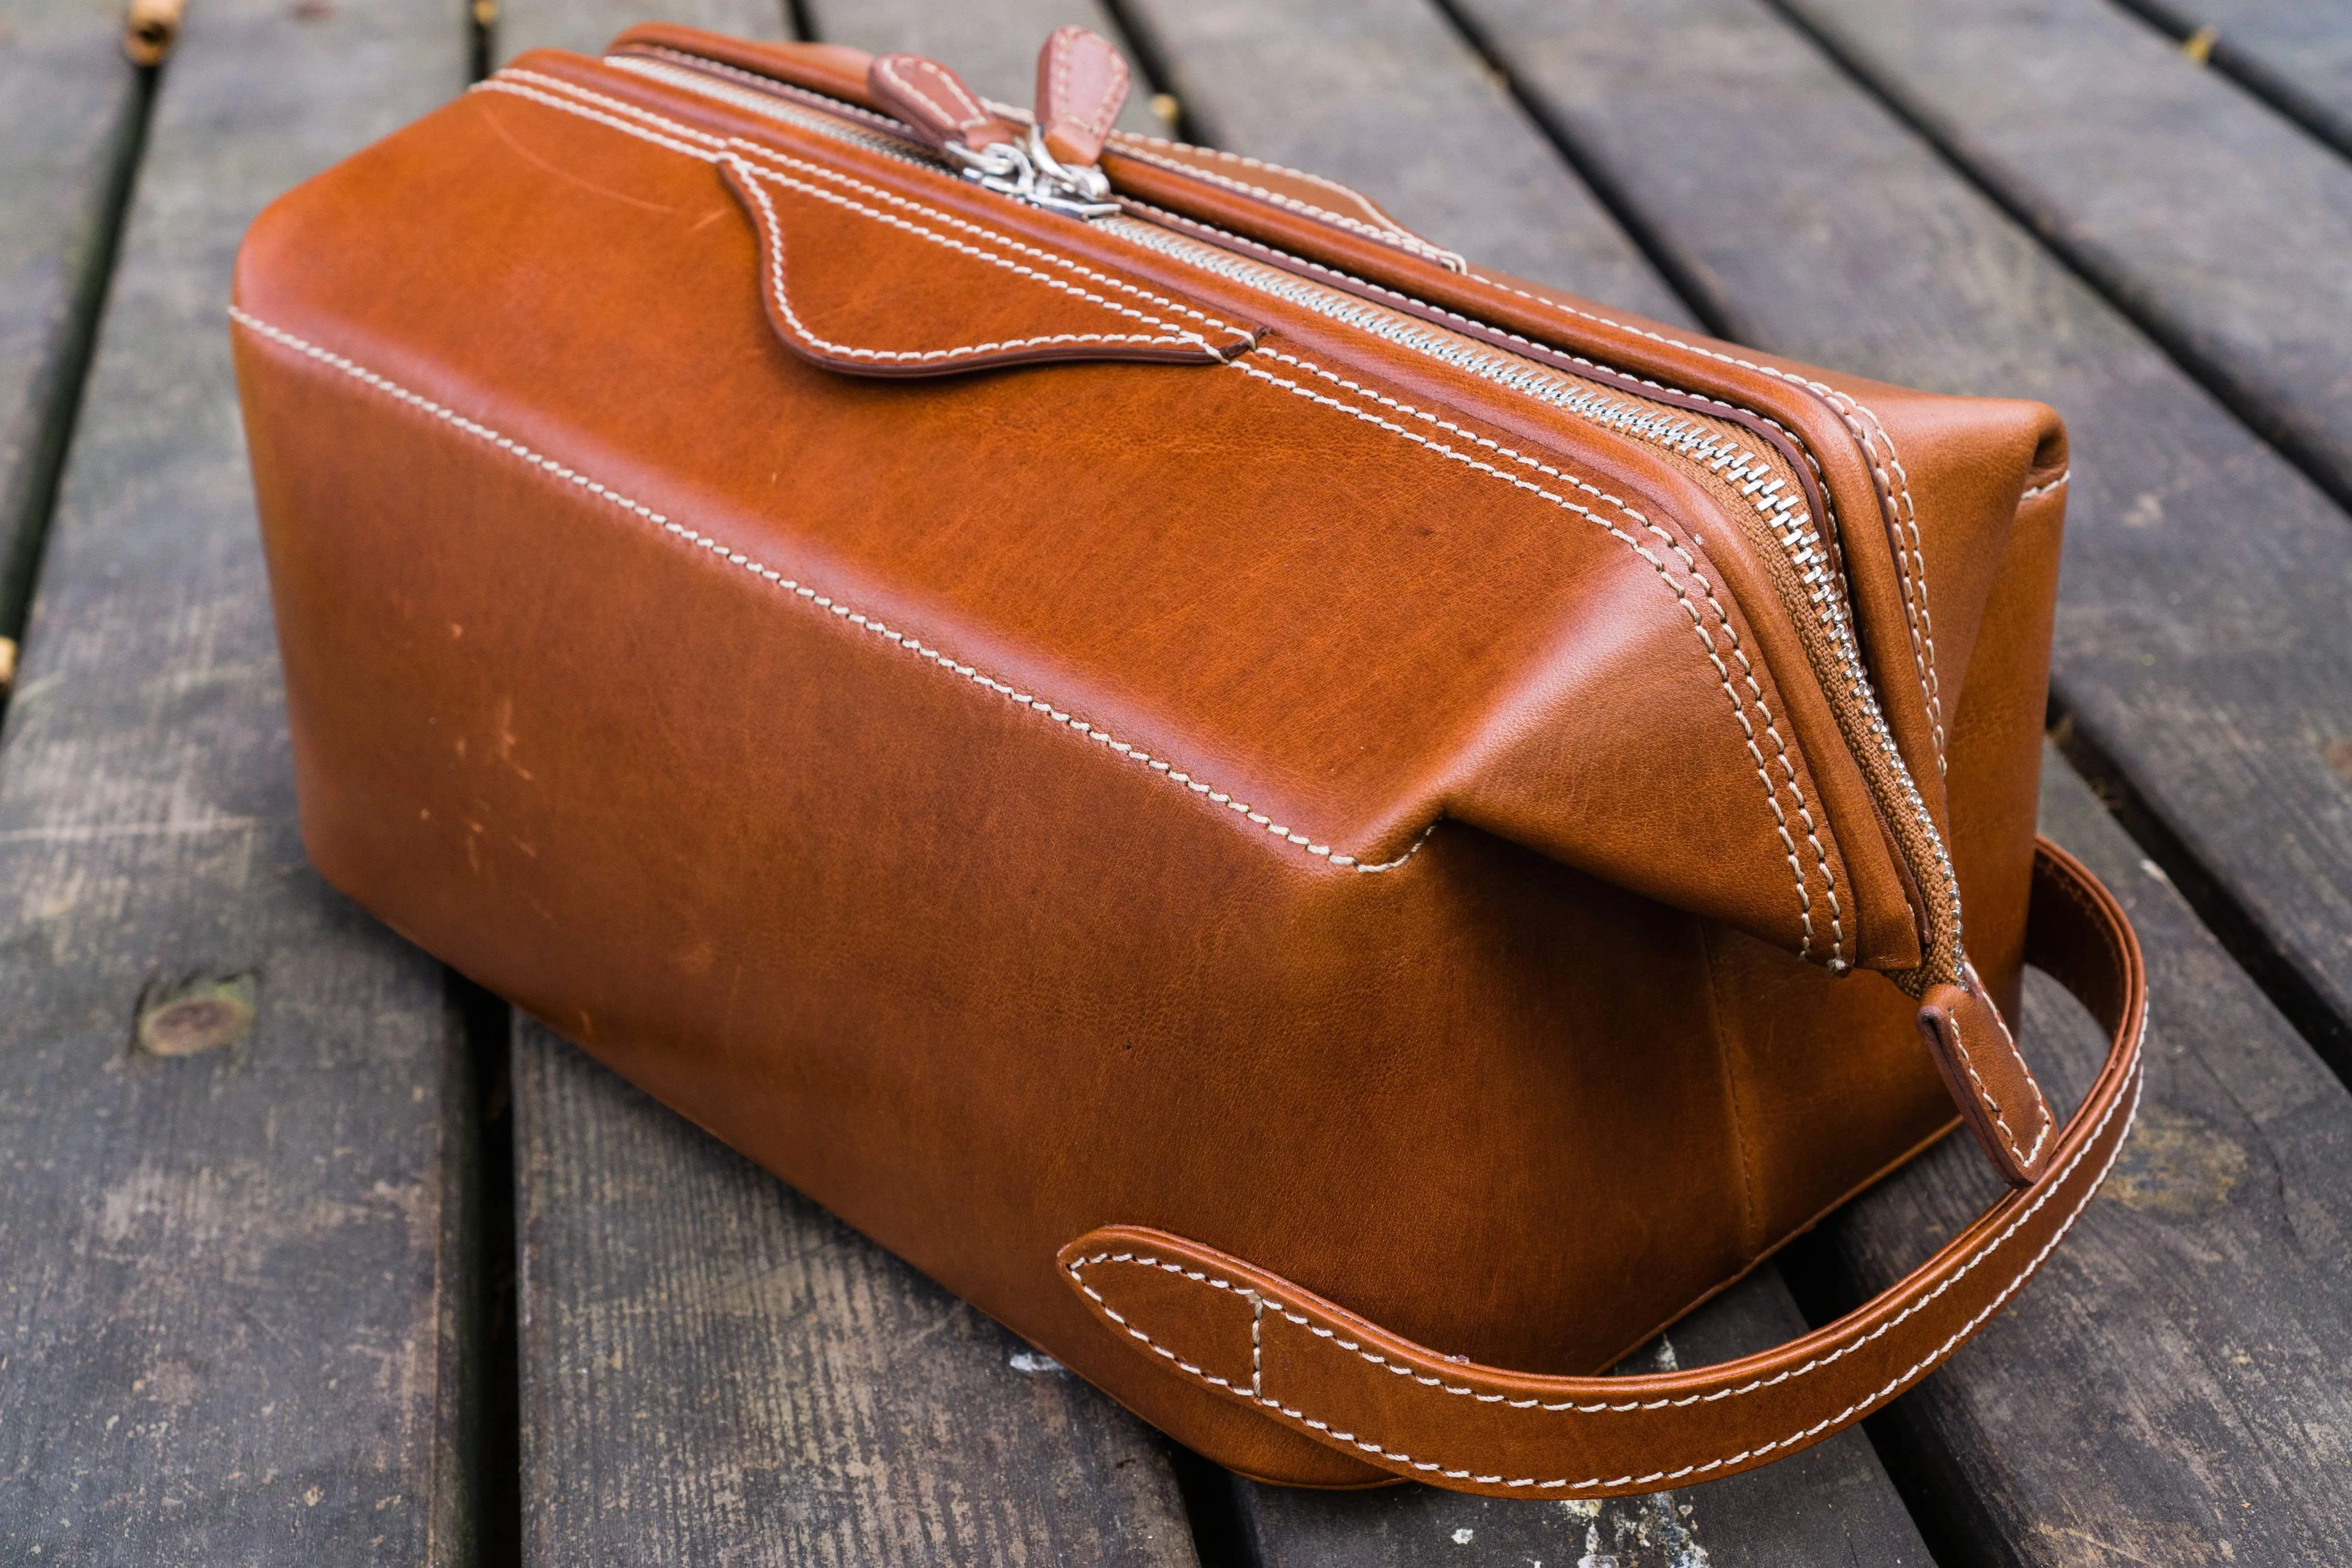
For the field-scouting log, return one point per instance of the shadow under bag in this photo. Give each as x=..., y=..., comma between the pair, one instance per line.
x=1332, y=837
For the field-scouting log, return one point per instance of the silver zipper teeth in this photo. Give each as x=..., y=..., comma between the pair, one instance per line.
x=1791, y=524
x=824, y=125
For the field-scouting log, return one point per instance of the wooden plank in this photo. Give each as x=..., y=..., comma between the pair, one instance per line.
x=717, y=1370
x=2172, y=1388
x=2204, y=642
x=2295, y=55
x=69, y=107
x=586, y=25
x=1391, y=102
x=2151, y=176
x=232, y=1325
x=1829, y=1504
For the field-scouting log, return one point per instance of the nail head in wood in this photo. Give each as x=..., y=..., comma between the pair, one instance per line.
x=149, y=28
x=186, y=1017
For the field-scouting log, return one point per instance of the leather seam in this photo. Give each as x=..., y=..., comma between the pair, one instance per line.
x=867, y=623
x=1804, y=1435
x=741, y=145
x=1129, y=145
x=2027, y=495
x=771, y=230
x=814, y=100
x=1698, y=624
x=1829, y=396
x=1984, y=1096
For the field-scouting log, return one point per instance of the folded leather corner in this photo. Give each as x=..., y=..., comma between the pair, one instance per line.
x=861, y=281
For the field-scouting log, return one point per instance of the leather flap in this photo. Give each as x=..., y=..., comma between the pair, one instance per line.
x=860, y=281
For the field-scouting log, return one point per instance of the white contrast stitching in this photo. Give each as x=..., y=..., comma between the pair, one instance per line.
x=865, y=623
x=1747, y=671
x=1895, y=499
x=721, y=145
x=2064, y=475
x=1057, y=48
x=974, y=114
x=1882, y=483
x=769, y=84
x=1985, y=1095
x=1893, y=1385
x=1133, y=146
x=774, y=233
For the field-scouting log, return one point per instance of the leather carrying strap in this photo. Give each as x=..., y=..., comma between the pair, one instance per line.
x=1318, y=1368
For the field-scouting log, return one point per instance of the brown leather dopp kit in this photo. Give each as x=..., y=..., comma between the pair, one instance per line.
x=1298, y=821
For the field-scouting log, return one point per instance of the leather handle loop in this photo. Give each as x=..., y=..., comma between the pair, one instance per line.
x=1378, y=1397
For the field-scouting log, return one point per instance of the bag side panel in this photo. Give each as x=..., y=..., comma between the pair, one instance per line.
x=970, y=979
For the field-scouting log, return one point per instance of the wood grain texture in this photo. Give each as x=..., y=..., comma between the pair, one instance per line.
x=231, y=1327
x=2296, y=55
x=717, y=1370
x=2223, y=230
x=69, y=123
x=1828, y=1506
x=1386, y=98
x=585, y=26
x=2204, y=637
x=993, y=45
x=2173, y=1387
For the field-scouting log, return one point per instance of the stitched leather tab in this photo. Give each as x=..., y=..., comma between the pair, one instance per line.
x=1081, y=84
x=858, y=279
x=1988, y=1079
x=935, y=102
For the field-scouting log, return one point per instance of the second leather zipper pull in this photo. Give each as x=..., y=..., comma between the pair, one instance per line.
x=1082, y=82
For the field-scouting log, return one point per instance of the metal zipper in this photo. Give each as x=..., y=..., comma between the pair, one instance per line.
x=1024, y=170
x=1752, y=487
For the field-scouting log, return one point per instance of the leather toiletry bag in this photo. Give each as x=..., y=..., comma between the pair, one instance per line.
x=1334, y=839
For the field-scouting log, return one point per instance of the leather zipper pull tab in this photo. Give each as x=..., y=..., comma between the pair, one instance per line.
x=937, y=105
x=1988, y=1077
x=1082, y=82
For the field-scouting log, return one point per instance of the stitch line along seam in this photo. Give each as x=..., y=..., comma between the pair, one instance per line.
x=1984, y=1095
x=1401, y=238
x=1771, y=797
x=1804, y=1435
x=869, y=625
x=1895, y=500
x=773, y=232
x=1885, y=737
x=1882, y=482
x=770, y=84
x=2064, y=475
x=1605, y=1407
x=1224, y=155
x=500, y=83
x=971, y=114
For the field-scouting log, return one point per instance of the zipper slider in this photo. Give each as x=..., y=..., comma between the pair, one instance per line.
x=1049, y=166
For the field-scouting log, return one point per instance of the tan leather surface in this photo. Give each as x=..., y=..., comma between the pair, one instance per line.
x=1291, y=793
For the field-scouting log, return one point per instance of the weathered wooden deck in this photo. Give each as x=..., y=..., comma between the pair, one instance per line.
x=388, y=1279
